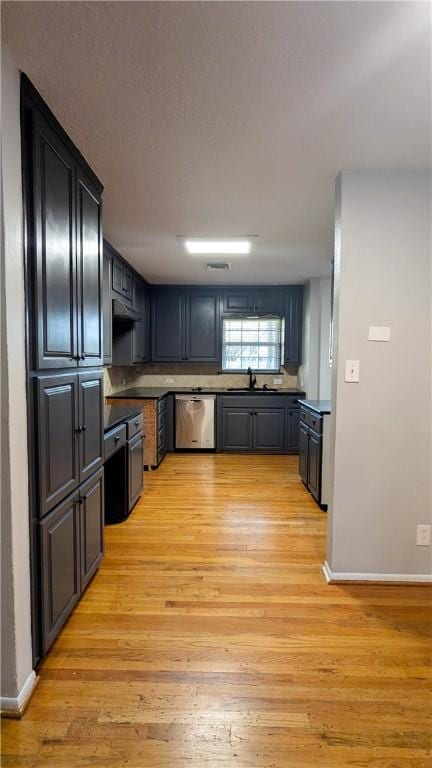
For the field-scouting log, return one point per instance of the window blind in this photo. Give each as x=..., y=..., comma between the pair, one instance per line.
x=251, y=343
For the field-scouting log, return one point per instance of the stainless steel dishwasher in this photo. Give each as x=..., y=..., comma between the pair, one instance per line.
x=195, y=421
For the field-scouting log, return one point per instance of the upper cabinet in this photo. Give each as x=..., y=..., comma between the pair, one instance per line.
x=186, y=325
x=130, y=342
x=247, y=299
x=107, y=308
x=293, y=312
x=65, y=232
x=122, y=280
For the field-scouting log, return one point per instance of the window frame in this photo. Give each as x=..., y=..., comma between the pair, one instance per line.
x=258, y=371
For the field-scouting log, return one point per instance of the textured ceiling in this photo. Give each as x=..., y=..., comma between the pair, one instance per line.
x=229, y=118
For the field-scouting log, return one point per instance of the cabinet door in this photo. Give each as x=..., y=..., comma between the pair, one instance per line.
x=203, y=327
x=117, y=276
x=168, y=326
x=90, y=428
x=269, y=301
x=135, y=469
x=107, y=309
x=57, y=425
x=55, y=294
x=127, y=283
x=91, y=511
x=141, y=329
x=237, y=429
x=303, y=452
x=60, y=565
x=292, y=430
x=314, y=465
x=89, y=270
x=293, y=324
x=238, y=301
x=269, y=429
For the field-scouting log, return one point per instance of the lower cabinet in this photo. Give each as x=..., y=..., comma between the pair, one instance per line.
x=135, y=468
x=71, y=541
x=251, y=428
x=292, y=430
x=311, y=452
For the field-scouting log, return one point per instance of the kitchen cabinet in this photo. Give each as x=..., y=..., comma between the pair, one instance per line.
x=65, y=283
x=167, y=324
x=311, y=452
x=60, y=558
x=292, y=430
x=135, y=468
x=131, y=339
x=238, y=301
x=251, y=423
x=69, y=433
x=268, y=432
x=293, y=324
x=107, y=308
x=122, y=280
x=246, y=300
x=158, y=426
x=185, y=325
x=71, y=541
x=237, y=429
x=91, y=505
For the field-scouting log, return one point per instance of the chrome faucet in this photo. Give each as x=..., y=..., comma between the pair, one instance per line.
x=252, y=378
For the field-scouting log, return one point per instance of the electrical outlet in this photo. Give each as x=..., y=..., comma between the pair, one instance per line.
x=423, y=535
x=123, y=382
x=278, y=380
x=169, y=380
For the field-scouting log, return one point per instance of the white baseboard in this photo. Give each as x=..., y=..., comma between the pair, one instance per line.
x=14, y=707
x=391, y=578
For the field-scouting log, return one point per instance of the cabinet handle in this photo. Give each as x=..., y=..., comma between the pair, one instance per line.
x=83, y=356
x=78, y=429
x=83, y=427
x=76, y=357
x=137, y=423
x=116, y=438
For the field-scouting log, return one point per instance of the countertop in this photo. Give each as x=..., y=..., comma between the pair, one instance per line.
x=155, y=393
x=115, y=414
x=323, y=407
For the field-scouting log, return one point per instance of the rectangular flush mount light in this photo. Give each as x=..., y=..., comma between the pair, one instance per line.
x=236, y=246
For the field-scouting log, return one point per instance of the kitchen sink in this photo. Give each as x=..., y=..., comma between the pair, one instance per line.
x=252, y=391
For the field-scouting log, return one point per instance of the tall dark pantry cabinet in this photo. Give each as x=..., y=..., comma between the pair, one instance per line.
x=63, y=267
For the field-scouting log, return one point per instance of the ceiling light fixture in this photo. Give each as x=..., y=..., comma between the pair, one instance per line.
x=234, y=246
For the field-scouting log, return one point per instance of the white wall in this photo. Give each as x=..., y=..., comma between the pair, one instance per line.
x=382, y=425
x=315, y=372
x=15, y=567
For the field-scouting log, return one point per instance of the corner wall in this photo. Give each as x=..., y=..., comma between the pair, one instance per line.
x=382, y=425
x=17, y=676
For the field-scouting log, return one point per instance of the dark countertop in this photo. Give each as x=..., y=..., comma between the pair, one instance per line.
x=155, y=393
x=115, y=414
x=322, y=407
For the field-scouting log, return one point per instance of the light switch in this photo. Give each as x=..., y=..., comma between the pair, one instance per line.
x=352, y=371
x=379, y=333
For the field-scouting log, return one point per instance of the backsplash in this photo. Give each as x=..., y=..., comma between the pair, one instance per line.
x=190, y=375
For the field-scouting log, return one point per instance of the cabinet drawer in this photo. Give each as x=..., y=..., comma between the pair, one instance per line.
x=114, y=440
x=134, y=426
x=253, y=401
x=312, y=419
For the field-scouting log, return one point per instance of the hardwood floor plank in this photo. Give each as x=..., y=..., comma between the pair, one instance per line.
x=209, y=639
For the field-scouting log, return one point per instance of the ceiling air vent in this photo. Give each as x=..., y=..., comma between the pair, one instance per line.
x=214, y=266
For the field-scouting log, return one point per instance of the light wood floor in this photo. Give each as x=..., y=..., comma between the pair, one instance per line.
x=209, y=639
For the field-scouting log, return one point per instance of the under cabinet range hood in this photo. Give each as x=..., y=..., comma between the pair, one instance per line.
x=122, y=311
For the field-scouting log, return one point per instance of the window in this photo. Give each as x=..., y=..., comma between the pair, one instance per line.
x=252, y=343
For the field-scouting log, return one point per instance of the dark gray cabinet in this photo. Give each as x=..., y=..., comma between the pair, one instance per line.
x=268, y=430
x=135, y=468
x=292, y=423
x=293, y=324
x=58, y=463
x=238, y=301
x=167, y=326
x=185, y=325
x=54, y=248
x=122, y=280
x=107, y=308
x=131, y=343
x=71, y=541
x=91, y=505
x=202, y=326
x=247, y=299
x=60, y=558
x=69, y=433
x=90, y=428
x=66, y=236
x=310, y=451
x=237, y=429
